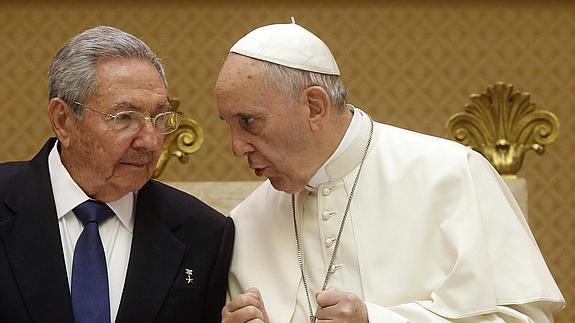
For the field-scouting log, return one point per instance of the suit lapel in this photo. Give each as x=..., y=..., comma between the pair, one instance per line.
x=33, y=245
x=155, y=259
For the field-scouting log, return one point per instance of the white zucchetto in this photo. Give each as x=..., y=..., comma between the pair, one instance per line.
x=289, y=45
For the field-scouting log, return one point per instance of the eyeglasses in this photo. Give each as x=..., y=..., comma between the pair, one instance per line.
x=132, y=121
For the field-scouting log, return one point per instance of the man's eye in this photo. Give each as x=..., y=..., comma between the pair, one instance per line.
x=246, y=121
x=123, y=116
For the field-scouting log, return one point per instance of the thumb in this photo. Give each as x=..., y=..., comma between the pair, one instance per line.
x=329, y=289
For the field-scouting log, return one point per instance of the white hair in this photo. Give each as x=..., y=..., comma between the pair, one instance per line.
x=291, y=82
x=72, y=75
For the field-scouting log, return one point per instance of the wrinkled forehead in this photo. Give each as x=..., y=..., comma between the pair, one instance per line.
x=239, y=71
x=241, y=89
x=129, y=73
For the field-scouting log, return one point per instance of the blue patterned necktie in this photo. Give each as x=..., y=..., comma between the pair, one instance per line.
x=90, y=296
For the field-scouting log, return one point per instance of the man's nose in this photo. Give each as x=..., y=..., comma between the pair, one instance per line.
x=241, y=147
x=148, y=138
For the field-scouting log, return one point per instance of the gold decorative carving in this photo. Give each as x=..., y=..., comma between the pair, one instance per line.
x=502, y=124
x=186, y=140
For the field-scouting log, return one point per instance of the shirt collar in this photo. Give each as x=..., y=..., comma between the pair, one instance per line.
x=68, y=195
x=321, y=176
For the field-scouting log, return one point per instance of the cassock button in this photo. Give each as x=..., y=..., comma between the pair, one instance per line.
x=328, y=214
x=334, y=268
x=329, y=242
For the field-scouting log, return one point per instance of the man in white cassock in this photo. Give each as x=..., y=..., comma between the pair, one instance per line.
x=361, y=221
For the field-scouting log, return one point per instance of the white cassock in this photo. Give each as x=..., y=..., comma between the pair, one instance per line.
x=433, y=235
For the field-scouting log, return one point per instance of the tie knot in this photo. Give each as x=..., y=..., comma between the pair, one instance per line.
x=92, y=211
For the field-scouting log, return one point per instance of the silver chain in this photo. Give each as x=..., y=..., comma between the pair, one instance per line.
x=336, y=246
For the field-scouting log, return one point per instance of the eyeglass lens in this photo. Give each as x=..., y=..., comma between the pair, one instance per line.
x=165, y=122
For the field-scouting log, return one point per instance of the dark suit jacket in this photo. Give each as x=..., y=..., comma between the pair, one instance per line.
x=173, y=231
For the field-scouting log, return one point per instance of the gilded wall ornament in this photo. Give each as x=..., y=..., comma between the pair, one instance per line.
x=186, y=140
x=502, y=124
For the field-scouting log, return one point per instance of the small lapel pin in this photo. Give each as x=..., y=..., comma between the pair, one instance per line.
x=189, y=278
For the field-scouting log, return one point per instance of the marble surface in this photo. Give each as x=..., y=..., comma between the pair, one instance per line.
x=221, y=195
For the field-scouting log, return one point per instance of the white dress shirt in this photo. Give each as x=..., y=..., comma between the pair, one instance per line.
x=115, y=232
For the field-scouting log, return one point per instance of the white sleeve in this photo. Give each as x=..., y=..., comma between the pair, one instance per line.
x=507, y=276
x=536, y=312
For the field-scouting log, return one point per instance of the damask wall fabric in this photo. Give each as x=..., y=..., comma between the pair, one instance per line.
x=410, y=63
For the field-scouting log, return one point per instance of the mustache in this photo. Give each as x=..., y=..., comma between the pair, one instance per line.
x=138, y=157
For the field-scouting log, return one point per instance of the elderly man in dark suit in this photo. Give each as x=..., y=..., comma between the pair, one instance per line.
x=85, y=235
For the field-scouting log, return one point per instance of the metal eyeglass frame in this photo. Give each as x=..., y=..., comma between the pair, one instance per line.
x=142, y=117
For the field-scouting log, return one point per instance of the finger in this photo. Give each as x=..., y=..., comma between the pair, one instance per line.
x=349, y=308
x=329, y=289
x=256, y=293
x=244, y=314
x=334, y=313
x=329, y=297
x=326, y=313
x=241, y=301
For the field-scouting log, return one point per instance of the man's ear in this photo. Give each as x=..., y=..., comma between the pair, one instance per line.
x=61, y=119
x=319, y=104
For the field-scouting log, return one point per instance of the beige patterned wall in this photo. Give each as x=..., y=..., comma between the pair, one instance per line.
x=410, y=63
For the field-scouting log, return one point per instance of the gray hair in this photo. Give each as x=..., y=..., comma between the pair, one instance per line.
x=72, y=75
x=291, y=82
